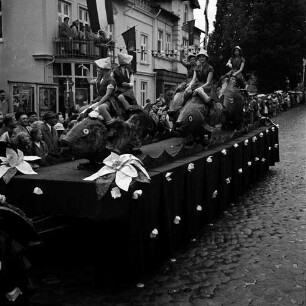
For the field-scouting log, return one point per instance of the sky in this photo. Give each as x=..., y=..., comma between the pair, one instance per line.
x=199, y=14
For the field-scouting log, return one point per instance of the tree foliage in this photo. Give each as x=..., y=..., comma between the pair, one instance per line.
x=272, y=34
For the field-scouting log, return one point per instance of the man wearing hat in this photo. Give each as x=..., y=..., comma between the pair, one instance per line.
x=124, y=78
x=236, y=64
x=49, y=134
x=105, y=86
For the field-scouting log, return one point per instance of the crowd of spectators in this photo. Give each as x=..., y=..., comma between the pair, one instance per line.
x=270, y=105
x=24, y=131
x=158, y=112
x=73, y=35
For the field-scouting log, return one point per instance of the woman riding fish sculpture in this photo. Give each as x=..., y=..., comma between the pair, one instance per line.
x=124, y=77
x=201, y=83
x=236, y=63
x=105, y=86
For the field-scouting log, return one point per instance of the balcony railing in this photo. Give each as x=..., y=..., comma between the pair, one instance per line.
x=73, y=48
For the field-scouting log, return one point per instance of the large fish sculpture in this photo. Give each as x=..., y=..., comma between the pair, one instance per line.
x=196, y=115
x=175, y=106
x=90, y=138
x=233, y=103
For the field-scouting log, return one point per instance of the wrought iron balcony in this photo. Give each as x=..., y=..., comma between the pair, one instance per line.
x=73, y=48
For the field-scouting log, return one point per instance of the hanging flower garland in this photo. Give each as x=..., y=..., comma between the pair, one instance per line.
x=123, y=169
x=14, y=162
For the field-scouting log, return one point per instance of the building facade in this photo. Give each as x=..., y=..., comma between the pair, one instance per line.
x=38, y=68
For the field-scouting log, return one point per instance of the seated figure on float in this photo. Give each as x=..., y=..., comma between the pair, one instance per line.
x=190, y=65
x=236, y=63
x=124, y=77
x=201, y=83
x=105, y=86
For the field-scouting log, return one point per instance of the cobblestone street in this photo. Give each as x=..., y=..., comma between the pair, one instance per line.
x=255, y=254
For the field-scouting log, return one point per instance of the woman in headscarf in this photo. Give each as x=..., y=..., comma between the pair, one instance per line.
x=124, y=77
x=105, y=85
x=236, y=63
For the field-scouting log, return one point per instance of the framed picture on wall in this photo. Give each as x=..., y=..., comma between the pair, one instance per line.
x=47, y=99
x=23, y=96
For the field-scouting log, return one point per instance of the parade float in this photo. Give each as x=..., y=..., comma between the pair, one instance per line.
x=150, y=202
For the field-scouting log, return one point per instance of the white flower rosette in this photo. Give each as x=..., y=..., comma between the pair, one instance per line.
x=14, y=162
x=123, y=169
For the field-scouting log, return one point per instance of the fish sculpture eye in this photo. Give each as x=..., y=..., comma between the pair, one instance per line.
x=85, y=131
x=190, y=118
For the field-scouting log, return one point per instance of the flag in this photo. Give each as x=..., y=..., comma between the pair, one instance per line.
x=191, y=32
x=129, y=37
x=206, y=24
x=100, y=14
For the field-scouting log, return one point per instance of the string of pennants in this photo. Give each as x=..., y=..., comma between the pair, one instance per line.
x=164, y=53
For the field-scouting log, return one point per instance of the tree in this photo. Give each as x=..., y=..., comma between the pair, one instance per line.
x=272, y=34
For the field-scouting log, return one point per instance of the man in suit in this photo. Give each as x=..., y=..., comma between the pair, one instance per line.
x=49, y=133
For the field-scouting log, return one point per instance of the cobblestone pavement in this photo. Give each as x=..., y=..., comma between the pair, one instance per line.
x=255, y=254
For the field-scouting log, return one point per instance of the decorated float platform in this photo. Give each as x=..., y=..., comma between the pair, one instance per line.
x=188, y=189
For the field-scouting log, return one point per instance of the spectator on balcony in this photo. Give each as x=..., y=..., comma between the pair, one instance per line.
x=64, y=29
x=89, y=34
x=124, y=77
x=82, y=35
x=75, y=29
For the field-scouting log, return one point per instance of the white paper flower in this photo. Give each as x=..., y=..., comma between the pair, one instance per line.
x=236, y=145
x=190, y=167
x=215, y=193
x=16, y=160
x=267, y=131
x=273, y=128
x=240, y=170
x=199, y=208
x=246, y=142
x=168, y=176
x=249, y=163
x=260, y=134
x=276, y=146
x=137, y=194
x=277, y=126
x=270, y=148
x=209, y=159
x=177, y=220
x=224, y=152
x=126, y=167
x=140, y=285
x=228, y=180
x=2, y=198
x=263, y=160
x=154, y=233
x=37, y=191
x=115, y=192
x=256, y=159
x=254, y=138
